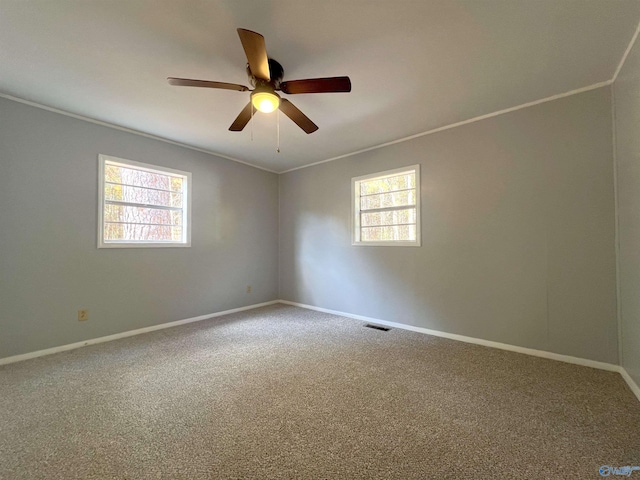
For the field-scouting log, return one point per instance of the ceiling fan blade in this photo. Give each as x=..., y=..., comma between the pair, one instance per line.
x=186, y=82
x=299, y=118
x=317, y=85
x=256, y=52
x=242, y=119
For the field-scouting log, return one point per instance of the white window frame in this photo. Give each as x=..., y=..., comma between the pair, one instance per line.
x=155, y=169
x=355, y=208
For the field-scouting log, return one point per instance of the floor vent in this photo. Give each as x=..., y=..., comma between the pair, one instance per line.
x=377, y=327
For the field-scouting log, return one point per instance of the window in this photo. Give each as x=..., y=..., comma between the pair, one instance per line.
x=386, y=207
x=142, y=205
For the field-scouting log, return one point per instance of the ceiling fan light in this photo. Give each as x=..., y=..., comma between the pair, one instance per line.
x=265, y=102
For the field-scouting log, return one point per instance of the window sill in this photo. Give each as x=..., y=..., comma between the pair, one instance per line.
x=143, y=245
x=385, y=244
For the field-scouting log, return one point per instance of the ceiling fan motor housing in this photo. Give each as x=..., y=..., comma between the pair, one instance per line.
x=276, y=72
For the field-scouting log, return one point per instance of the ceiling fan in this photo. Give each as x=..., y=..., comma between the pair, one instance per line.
x=265, y=75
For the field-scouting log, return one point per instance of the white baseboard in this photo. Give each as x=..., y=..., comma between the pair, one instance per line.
x=478, y=341
x=461, y=338
x=487, y=343
x=130, y=333
x=632, y=385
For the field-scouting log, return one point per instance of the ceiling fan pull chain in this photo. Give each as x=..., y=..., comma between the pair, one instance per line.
x=278, y=129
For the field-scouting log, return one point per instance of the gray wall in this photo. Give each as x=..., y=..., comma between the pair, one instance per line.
x=517, y=232
x=50, y=266
x=627, y=127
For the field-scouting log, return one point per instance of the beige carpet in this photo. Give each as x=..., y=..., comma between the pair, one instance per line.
x=282, y=392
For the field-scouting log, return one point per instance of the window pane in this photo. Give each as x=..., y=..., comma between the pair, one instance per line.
x=406, y=233
x=176, y=184
x=394, y=199
x=393, y=217
x=139, y=232
x=388, y=184
x=141, y=178
x=121, y=193
x=132, y=214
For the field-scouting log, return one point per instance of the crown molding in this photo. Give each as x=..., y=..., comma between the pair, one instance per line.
x=375, y=147
x=626, y=53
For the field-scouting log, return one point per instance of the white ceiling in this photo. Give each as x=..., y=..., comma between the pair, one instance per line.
x=414, y=65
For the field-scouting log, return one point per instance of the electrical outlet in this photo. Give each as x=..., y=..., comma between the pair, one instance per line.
x=248, y=288
x=83, y=315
